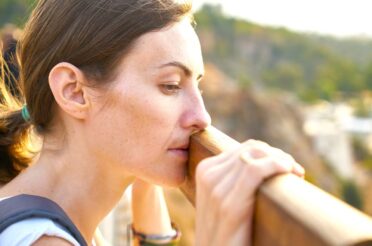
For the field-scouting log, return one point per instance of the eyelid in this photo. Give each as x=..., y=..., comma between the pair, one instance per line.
x=170, y=88
x=171, y=75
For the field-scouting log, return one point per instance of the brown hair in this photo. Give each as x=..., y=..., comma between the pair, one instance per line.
x=93, y=35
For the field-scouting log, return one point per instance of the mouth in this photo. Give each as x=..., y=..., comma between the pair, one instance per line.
x=181, y=151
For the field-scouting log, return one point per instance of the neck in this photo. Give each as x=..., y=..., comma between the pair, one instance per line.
x=85, y=188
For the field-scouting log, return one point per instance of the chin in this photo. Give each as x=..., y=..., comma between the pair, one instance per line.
x=172, y=180
x=175, y=183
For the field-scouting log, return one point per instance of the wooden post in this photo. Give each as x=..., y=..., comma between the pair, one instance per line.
x=288, y=210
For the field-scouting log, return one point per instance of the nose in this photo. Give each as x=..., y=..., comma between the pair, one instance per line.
x=195, y=116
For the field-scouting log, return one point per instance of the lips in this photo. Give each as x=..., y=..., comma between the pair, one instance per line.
x=180, y=153
x=181, y=150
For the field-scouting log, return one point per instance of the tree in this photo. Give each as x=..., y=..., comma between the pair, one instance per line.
x=351, y=194
x=368, y=77
x=15, y=11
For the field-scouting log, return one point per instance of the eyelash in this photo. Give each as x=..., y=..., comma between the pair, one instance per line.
x=170, y=89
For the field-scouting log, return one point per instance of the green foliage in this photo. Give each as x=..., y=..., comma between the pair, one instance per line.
x=361, y=108
x=285, y=75
x=15, y=11
x=276, y=58
x=367, y=163
x=359, y=50
x=368, y=77
x=244, y=81
x=312, y=67
x=351, y=194
x=361, y=153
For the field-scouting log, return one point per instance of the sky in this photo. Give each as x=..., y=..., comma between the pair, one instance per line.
x=341, y=18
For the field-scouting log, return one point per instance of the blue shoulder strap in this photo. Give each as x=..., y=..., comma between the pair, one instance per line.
x=21, y=207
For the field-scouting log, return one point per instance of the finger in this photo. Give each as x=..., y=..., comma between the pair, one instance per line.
x=213, y=184
x=212, y=169
x=238, y=203
x=260, y=169
x=298, y=170
x=219, y=193
x=241, y=197
x=209, y=175
x=225, y=155
x=207, y=216
x=260, y=149
x=213, y=213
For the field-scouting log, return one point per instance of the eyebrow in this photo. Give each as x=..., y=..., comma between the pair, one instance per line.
x=182, y=66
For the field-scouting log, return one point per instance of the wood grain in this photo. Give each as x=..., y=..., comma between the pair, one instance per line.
x=288, y=210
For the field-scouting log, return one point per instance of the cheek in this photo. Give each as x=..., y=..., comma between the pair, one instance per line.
x=145, y=122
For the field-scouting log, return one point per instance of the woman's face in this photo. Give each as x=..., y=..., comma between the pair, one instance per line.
x=145, y=118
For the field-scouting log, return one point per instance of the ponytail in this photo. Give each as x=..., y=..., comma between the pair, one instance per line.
x=15, y=131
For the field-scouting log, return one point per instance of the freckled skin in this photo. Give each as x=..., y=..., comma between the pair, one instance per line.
x=138, y=121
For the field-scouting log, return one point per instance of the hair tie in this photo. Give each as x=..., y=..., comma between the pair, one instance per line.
x=25, y=113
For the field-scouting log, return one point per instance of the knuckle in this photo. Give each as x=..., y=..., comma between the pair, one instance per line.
x=263, y=144
x=258, y=146
x=283, y=153
x=257, y=152
x=290, y=157
x=249, y=142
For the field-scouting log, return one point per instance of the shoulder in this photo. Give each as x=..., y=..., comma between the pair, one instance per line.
x=36, y=231
x=47, y=241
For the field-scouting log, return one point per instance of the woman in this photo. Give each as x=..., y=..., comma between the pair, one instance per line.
x=112, y=89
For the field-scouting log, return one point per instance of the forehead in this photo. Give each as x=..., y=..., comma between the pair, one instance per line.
x=177, y=42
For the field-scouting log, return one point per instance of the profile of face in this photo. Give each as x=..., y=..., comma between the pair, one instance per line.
x=144, y=119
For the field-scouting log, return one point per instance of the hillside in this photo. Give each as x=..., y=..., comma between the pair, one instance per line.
x=277, y=59
x=357, y=49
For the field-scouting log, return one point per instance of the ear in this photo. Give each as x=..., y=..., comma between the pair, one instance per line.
x=67, y=83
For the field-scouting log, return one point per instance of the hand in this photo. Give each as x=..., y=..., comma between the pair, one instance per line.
x=226, y=185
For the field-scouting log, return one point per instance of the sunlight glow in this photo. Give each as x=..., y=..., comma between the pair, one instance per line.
x=335, y=17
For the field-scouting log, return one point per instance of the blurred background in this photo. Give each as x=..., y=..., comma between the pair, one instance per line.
x=296, y=74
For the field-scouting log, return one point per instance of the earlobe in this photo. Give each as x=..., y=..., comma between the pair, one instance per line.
x=67, y=84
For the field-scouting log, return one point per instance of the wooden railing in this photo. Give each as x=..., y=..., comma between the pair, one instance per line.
x=288, y=210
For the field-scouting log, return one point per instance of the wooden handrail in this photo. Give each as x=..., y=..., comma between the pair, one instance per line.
x=288, y=210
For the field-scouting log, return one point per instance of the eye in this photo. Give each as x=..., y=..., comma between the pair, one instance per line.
x=170, y=89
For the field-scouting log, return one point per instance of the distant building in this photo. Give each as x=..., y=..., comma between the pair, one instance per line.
x=359, y=126
x=326, y=125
